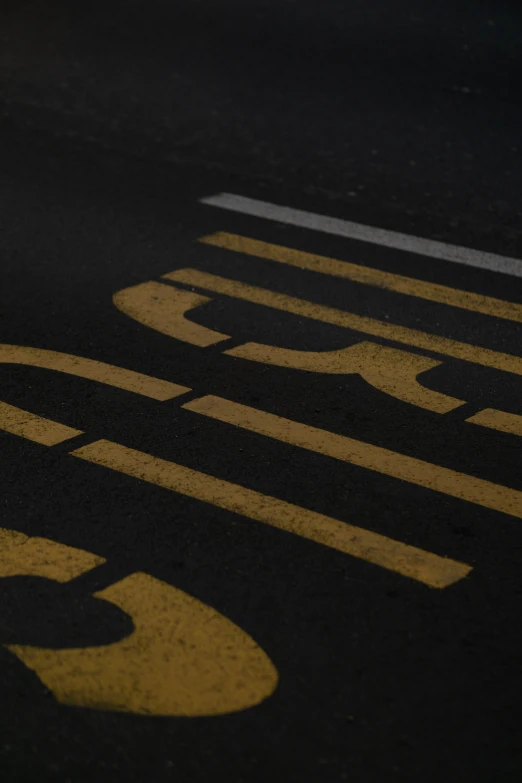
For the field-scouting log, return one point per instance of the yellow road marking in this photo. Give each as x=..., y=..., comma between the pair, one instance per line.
x=433, y=292
x=365, y=455
x=93, y=370
x=409, y=561
x=34, y=556
x=35, y=428
x=372, y=547
x=498, y=420
x=317, y=312
x=182, y=658
x=391, y=370
x=163, y=308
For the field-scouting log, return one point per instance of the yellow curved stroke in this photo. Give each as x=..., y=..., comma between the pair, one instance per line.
x=109, y=374
x=182, y=659
x=390, y=370
x=329, y=315
x=163, y=308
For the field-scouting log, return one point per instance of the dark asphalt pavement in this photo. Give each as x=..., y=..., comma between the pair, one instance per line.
x=116, y=122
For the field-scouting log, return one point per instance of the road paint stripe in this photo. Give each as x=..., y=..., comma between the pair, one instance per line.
x=425, y=567
x=109, y=374
x=433, y=292
x=498, y=420
x=359, y=323
x=36, y=428
x=370, y=234
x=365, y=455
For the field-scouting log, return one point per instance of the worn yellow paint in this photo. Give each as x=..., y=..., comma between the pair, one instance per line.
x=409, y=561
x=498, y=420
x=366, y=455
x=33, y=427
x=317, y=312
x=22, y=555
x=390, y=370
x=93, y=370
x=182, y=659
x=433, y=292
x=163, y=308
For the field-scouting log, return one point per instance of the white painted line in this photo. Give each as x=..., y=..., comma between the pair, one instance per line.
x=375, y=236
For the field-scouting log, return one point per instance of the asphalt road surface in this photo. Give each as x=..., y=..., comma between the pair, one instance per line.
x=260, y=419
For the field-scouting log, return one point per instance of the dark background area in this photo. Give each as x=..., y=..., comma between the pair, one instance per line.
x=403, y=107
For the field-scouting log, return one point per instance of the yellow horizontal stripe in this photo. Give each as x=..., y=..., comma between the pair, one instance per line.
x=365, y=455
x=33, y=427
x=498, y=420
x=433, y=292
x=409, y=561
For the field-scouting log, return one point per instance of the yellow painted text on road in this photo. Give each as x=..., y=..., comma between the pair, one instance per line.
x=349, y=539
x=390, y=370
x=330, y=315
